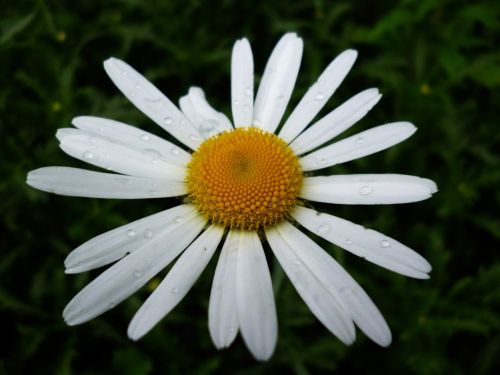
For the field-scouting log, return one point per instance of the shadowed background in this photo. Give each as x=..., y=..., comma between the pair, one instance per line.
x=437, y=64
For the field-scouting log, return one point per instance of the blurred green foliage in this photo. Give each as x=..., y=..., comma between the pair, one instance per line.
x=437, y=63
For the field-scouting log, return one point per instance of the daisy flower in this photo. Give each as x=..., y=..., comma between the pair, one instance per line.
x=242, y=182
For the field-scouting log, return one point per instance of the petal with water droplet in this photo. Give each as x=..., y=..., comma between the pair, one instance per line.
x=222, y=315
x=337, y=121
x=130, y=136
x=119, y=281
x=347, y=292
x=277, y=82
x=206, y=120
x=317, y=95
x=366, y=243
x=362, y=144
x=367, y=189
x=78, y=182
x=242, y=83
x=116, y=243
x=254, y=297
x=177, y=283
x=118, y=157
x=151, y=101
x=315, y=294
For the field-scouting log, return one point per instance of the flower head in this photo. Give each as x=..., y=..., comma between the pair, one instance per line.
x=243, y=182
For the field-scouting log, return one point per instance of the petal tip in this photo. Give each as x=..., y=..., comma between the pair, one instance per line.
x=134, y=334
x=351, y=53
x=432, y=186
x=109, y=60
x=72, y=270
x=68, y=319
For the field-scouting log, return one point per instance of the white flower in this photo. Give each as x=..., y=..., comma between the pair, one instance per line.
x=241, y=180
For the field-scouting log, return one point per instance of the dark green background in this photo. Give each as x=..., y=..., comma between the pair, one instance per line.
x=437, y=64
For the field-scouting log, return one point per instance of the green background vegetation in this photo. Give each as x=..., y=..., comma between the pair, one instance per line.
x=437, y=64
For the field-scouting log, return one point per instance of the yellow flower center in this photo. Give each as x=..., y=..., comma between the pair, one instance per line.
x=246, y=178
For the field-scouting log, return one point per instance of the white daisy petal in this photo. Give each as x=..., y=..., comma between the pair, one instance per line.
x=78, y=182
x=188, y=109
x=242, y=83
x=205, y=119
x=202, y=106
x=318, y=94
x=340, y=119
x=366, y=243
x=222, y=314
x=146, y=97
x=115, y=244
x=339, y=283
x=367, y=189
x=132, y=137
x=314, y=293
x=118, y=157
x=177, y=283
x=130, y=273
x=359, y=145
x=277, y=83
x=254, y=297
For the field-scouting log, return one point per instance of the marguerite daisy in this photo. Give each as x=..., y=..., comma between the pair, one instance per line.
x=242, y=180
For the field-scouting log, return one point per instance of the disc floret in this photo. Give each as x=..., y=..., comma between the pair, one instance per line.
x=246, y=179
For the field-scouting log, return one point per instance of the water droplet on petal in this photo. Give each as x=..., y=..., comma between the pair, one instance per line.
x=145, y=137
x=178, y=219
x=156, y=100
x=385, y=243
x=148, y=233
x=174, y=151
x=360, y=140
x=207, y=126
x=280, y=98
x=87, y=155
x=122, y=180
x=324, y=228
x=365, y=190
x=348, y=241
x=137, y=274
x=323, y=160
x=138, y=87
x=152, y=152
x=297, y=262
x=232, y=329
x=236, y=102
x=130, y=233
x=319, y=96
x=248, y=91
x=167, y=120
x=174, y=290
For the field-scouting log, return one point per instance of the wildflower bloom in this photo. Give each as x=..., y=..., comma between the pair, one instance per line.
x=242, y=180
